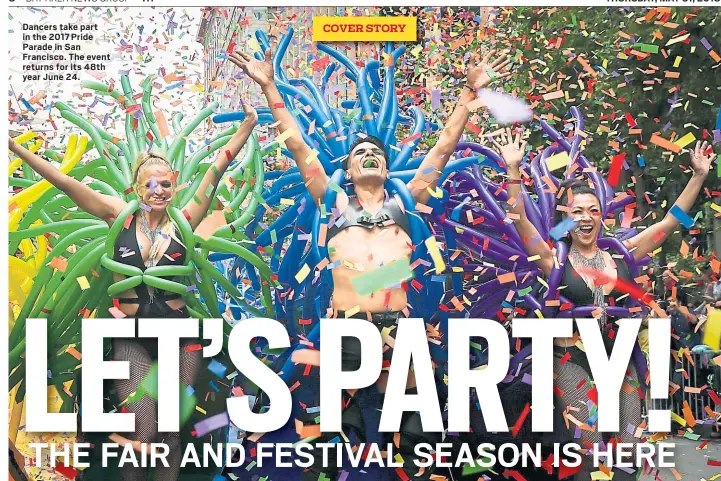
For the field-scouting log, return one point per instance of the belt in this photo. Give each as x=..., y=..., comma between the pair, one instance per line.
x=378, y=318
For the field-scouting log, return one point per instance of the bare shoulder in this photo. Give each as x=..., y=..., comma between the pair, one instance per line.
x=608, y=258
x=341, y=201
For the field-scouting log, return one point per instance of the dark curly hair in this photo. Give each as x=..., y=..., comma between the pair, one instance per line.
x=373, y=140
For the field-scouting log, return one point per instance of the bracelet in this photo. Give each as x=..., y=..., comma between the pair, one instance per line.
x=514, y=181
x=473, y=93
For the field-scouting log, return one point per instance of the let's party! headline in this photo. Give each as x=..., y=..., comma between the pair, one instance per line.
x=411, y=347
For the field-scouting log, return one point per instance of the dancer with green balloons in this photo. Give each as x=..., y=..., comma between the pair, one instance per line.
x=149, y=248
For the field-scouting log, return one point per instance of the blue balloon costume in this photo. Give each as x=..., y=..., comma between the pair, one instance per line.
x=300, y=303
x=481, y=243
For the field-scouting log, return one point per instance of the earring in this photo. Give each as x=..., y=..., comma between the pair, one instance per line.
x=347, y=175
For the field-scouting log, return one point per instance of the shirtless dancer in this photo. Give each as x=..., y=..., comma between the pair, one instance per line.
x=370, y=241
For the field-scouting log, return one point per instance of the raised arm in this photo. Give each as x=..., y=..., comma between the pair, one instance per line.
x=94, y=203
x=315, y=177
x=652, y=238
x=196, y=211
x=512, y=149
x=478, y=75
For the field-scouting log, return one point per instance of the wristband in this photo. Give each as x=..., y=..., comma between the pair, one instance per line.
x=514, y=181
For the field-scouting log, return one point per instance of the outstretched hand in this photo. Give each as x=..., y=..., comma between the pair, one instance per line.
x=251, y=115
x=700, y=160
x=260, y=71
x=482, y=72
x=511, y=147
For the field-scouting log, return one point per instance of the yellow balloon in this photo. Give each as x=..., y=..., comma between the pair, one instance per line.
x=712, y=330
x=73, y=153
x=13, y=166
x=22, y=138
x=19, y=273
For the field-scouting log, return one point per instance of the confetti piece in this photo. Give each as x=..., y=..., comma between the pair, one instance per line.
x=435, y=254
x=302, y=273
x=688, y=414
x=162, y=123
x=559, y=94
x=506, y=278
x=217, y=368
x=682, y=217
x=647, y=48
x=561, y=229
x=210, y=424
x=558, y=161
x=74, y=352
x=685, y=140
x=663, y=143
x=614, y=174
x=83, y=281
x=285, y=136
x=423, y=208
x=382, y=277
x=117, y=313
x=520, y=420
x=60, y=263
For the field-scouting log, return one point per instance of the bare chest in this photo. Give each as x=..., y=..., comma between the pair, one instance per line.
x=362, y=249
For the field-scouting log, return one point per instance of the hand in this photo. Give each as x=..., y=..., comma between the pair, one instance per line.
x=511, y=148
x=251, y=116
x=260, y=71
x=479, y=72
x=701, y=162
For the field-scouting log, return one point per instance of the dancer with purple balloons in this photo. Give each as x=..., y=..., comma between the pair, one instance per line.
x=592, y=277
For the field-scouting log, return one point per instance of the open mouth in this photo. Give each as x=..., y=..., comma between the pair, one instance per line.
x=585, y=229
x=371, y=164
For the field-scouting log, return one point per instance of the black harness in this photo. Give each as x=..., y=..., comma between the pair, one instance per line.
x=355, y=215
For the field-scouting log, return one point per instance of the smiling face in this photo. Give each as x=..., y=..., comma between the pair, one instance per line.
x=156, y=187
x=586, y=211
x=367, y=162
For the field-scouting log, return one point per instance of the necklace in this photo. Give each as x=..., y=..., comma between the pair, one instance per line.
x=596, y=263
x=151, y=234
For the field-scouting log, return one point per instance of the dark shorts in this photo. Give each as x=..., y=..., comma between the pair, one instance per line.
x=351, y=346
x=160, y=310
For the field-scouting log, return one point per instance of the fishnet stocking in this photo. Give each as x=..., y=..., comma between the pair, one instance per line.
x=145, y=409
x=570, y=375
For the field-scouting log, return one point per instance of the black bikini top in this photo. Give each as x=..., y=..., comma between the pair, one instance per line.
x=127, y=251
x=355, y=215
x=578, y=292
